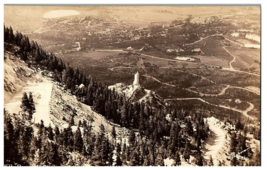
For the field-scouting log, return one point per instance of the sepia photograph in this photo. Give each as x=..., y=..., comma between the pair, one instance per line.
x=132, y=85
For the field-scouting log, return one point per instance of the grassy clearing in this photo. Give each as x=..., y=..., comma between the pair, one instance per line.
x=213, y=47
x=227, y=77
x=94, y=55
x=228, y=102
x=212, y=89
x=246, y=59
x=212, y=60
x=168, y=64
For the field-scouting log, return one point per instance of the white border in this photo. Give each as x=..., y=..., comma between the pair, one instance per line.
x=165, y=2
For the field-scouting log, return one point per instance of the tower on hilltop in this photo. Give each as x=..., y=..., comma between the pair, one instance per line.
x=136, y=79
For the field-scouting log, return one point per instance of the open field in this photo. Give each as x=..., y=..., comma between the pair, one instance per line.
x=227, y=77
x=207, y=109
x=212, y=60
x=233, y=103
x=211, y=89
x=166, y=63
x=212, y=46
x=94, y=55
x=246, y=59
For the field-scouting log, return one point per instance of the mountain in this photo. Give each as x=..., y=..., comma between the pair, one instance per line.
x=56, y=116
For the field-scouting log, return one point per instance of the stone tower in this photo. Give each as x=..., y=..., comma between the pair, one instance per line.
x=136, y=79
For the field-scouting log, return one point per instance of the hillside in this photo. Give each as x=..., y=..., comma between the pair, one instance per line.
x=139, y=94
x=58, y=116
x=16, y=74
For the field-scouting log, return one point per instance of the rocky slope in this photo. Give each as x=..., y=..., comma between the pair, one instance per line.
x=16, y=74
x=139, y=94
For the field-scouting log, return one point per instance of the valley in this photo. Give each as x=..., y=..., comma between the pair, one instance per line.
x=92, y=86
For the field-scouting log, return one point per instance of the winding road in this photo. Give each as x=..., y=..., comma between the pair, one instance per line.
x=244, y=112
x=213, y=95
x=219, y=142
x=224, y=47
x=159, y=80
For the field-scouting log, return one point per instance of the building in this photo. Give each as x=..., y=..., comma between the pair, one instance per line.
x=136, y=80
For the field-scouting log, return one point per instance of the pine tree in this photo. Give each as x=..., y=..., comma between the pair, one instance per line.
x=78, y=141
x=72, y=121
x=233, y=143
x=118, y=161
x=8, y=139
x=110, y=159
x=50, y=133
x=25, y=103
x=118, y=148
x=31, y=106
x=200, y=161
x=177, y=158
x=56, y=132
x=159, y=160
x=211, y=161
x=234, y=161
x=104, y=151
x=113, y=133
x=131, y=138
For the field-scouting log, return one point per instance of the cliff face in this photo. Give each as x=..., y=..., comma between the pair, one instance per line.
x=16, y=74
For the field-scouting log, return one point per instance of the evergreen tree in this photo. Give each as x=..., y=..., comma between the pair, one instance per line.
x=72, y=121
x=31, y=106
x=177, y=158
x=200, y=161
x=131, y=138
x=113, y=133
x=110, y=159
x=78, y=142
x=211, y=161
x=25, y=103
x=50, y=133
x=8, y=139
x=118, y=161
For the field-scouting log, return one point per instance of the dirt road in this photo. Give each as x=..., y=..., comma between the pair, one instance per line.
x=159, y=80
x=214, y=149
x=244, y=112
x=41, y=95
x=214, y=95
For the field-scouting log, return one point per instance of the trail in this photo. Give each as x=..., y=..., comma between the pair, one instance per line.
x=41, y=95
x=110, y=50
x=200, y=40
x=244, y=112
x=213, y=95
x=224, y=47
x=250, y=90
x=159, y=80
x=214, y=150
x=223, y=91
x=230, y=64
x=166, y=59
